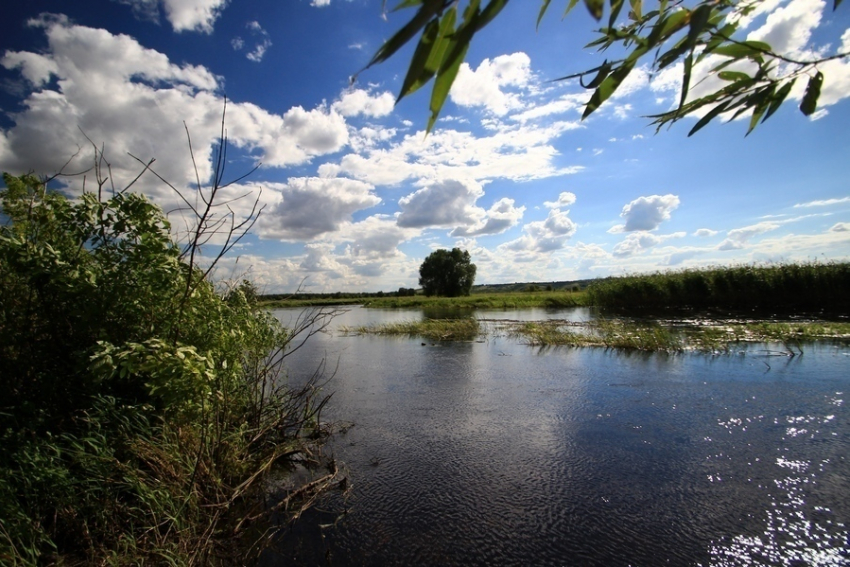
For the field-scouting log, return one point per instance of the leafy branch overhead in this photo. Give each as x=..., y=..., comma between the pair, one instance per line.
x=753, y=77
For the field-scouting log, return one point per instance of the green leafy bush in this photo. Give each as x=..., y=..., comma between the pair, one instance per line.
x=141, y=408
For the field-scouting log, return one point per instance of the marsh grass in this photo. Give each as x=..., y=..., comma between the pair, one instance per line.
x=432, y=329
x=784, y=288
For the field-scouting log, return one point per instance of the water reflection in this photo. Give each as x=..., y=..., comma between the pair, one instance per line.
x=498, y=453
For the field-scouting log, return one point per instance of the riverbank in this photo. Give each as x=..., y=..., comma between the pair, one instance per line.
x=498, y=300
x=774, y=289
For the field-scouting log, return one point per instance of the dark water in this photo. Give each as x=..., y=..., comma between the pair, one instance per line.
x=496, y=453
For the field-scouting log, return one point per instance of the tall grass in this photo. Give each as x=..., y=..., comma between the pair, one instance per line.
x=781, y=287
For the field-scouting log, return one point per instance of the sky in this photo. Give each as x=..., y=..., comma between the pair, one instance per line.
x=355, y=195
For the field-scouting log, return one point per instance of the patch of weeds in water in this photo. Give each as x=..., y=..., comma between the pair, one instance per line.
x=432, y=329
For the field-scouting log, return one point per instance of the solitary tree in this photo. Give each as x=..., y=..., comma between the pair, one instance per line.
x=447, y=273
x=753, y=78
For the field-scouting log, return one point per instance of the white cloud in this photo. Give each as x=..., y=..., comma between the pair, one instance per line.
x=184, y=15
x=502, y=216
x=320, y=3
x=704, y=232
x=565, y=199
x=840, y=227
x=739, y=238
x=823, y=203
x=262, y=41
x=543, y=236
x=358, y=101
x=237, y=43
x=133, y=99
x=376, y=237
x=193, y=15
x=520, y=153
x=682, y=255
x=483, y=87
x=646, y=213
x=312, y=206
x=638, y=242
x=447, y=204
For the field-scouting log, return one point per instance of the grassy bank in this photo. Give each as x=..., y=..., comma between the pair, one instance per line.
x=504, y=300
x=618, y=334
x=783, y=288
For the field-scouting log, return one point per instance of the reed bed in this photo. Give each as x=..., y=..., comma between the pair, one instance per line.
x=780, y=288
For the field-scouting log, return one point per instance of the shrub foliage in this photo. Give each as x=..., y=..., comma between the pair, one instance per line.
x=141, y=408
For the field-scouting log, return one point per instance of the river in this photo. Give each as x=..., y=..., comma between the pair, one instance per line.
x=498, y=453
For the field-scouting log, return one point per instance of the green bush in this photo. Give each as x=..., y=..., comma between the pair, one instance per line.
x=140, y=407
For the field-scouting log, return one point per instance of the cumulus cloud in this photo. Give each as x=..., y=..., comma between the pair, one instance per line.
x=840, y=227
x=704, y=232
x=115, y=92
x=183, y=15
x=739, y=238
x=565, y=199
x=646, y=213
x=543, y=236
x=502, y=216
x=483, y=86
x=375, y=238
x=313, y=206
x=358, y=101
x=638, y=242
x=519, y=154
x=449, y=203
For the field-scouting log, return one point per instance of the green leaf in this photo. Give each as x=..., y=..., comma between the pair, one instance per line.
x=543, y=9
x=417, y=74
x=762, y=103
x=604, y=70
x=570, y=7
x=711, y=115
x=608, y=87
x=428, y=10
x=636, y=8
x=429, y=54
x=698, y=22
x=456, y=51
x=778, y=98
x=732, y=75
x=686, y=79
x=406, y=4
x=490, y=11
x=616, y=6
x=810, y=99
x=595, y=7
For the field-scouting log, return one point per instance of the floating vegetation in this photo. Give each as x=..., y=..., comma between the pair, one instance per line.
x=651, y=336
x=654, y=336
x=431, y=329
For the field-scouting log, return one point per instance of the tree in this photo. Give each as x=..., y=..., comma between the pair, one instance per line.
x=754, y=77
x=447, y=273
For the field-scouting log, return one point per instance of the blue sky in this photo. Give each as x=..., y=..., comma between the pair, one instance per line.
x=356, y=195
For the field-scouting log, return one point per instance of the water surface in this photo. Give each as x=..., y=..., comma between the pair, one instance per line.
x=497, y=453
